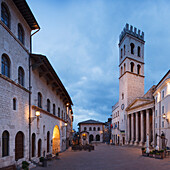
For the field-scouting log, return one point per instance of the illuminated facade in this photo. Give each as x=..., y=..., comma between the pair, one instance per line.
x=28, y=84
x=91, y=131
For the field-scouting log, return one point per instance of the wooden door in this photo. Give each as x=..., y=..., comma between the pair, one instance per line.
x=19, y=146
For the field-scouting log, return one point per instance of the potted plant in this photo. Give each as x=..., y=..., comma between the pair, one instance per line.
x=158, y=155
x=143, y=150
x=25, y=165
x=162, y=153
x=151, y=154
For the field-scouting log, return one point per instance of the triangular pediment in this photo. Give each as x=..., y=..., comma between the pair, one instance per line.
x=139, y=102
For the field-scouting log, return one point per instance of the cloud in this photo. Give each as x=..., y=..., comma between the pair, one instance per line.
x=80, y=38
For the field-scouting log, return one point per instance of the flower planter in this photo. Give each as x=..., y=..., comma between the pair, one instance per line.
x=145, y=154
x=158, y=156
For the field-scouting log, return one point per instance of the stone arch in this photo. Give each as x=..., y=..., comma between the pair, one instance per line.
x=48, y=141
x=33, y=144
x=97, y=137
x=39, y=147
x=56, y=140
x=91, y=138
x=19, y=145
x=132, y=47
x=132, y=67
x=138, y=69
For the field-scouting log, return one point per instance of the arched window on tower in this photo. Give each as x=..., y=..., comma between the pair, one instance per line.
x=138, y=69
x=132, y=67
x=132, y=46
x=138, y=51
x=124, y=49
x=124, y=67
x=121, y=71
x=121, y=52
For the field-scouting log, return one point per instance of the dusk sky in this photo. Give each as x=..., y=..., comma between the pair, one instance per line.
x=80, y=39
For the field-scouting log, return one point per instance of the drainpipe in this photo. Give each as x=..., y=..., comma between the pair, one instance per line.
x=30, y=87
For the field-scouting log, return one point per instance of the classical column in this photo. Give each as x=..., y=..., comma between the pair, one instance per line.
x=132, y=129
x=142, y=128
x=137, y=134
x=128, y=130
x=147, y=123
x=153, y=126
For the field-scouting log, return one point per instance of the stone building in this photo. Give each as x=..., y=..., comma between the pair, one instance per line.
x=133, y=116
x=91, y=131
x=35, y=108
x=162, y=112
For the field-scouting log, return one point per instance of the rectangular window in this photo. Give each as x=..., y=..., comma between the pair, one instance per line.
x=163, y=124
x=156, y=100
x=162, y=94
x=53, y=109
x=58, y=112
x=162, y=109
x=156, y=113
x=155, y=125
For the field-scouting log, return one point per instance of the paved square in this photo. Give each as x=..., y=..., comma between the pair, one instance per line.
x=107, y=157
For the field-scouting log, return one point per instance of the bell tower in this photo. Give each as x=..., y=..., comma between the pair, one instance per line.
x=131, y=68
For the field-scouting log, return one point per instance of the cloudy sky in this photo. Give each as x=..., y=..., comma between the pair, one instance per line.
x=80, y=39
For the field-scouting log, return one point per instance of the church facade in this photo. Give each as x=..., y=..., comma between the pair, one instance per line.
x=35, y=108
x=133, y=116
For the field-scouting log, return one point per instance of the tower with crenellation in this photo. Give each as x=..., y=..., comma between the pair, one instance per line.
x=131, y=69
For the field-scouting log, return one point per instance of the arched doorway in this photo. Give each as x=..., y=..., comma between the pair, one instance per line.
x=97, y=137
x=33, y=145
x=56, y=140
x=48, y=141
x=39, y=147
x=91, y=138
x=19, y=146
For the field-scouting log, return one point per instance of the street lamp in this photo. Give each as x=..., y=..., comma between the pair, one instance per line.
x=37, y=115
x=164, y=117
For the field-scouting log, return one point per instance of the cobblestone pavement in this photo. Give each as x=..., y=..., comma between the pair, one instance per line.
x=107, y=157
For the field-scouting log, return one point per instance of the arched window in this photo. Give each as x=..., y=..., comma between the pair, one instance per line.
x=48, y=141
x=138, y=51
x=39, y=100
x=94, y=129
x=14, y=104
x=21, y=76
x=124, y=47
x=5, y=65
x=121, y=52
x=90, y=129
x=48, y=105
x=5, y=143
x=53, y=109
x=58, y=112
x=138, y=69
x=85, y=128
x=97, y=137
x=21, y=33
x=132, y=46
x=132, y=67
x=5, y=15
x=124, y=67
x=98, y=128
x=121, y=70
